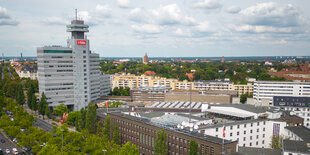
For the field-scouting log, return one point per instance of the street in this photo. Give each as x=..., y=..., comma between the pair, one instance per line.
x=43, y=125
x=7, y=145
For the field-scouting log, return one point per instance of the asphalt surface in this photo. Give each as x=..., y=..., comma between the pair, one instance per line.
x=7, y=145
x=43, y=125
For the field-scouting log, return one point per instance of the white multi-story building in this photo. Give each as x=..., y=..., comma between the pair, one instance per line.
x=264, y=91
x=296, y=141
x=71, y=74
x=248, y=133
x=105, y=83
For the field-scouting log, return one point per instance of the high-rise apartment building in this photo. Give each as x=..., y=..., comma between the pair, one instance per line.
x=71, y=74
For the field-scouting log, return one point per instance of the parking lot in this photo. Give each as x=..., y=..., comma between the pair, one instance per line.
x=7, y=145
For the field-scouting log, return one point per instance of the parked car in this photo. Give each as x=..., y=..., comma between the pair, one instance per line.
x=2, y=141
x=7, y=151
x=14, y=150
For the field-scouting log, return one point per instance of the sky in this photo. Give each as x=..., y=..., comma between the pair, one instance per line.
x=161, y=28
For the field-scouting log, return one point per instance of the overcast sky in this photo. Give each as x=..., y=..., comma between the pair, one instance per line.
x=162, y=28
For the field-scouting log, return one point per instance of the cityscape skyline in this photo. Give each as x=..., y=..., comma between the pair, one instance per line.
x=124, y=28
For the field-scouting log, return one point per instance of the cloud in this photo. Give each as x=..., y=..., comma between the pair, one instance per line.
x=209, y=5
x=56, y=21
x=5, y=19
x=171, y=14
x=233, y=10
x=271, y=14
x=104, y=10
x=262, y=29
x=146, y=29
x=139, y=15
x=123, y=3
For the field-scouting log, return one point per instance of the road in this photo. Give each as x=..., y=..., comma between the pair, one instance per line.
x=7, y=145
x=43, y=125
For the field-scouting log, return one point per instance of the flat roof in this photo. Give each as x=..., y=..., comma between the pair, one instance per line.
x=233, y=123
x=247, y=107
x=229, y=113
x=300, y=131
x=296, y=146
x=258, y=151
x=181, y=131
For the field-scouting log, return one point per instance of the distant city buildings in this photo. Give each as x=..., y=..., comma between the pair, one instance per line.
x=25, y=69
x=132, y=81
x=70, y=75
x=300, y=73
x=145, y=59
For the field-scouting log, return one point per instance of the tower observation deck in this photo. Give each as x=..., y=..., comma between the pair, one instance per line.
x=77, y=28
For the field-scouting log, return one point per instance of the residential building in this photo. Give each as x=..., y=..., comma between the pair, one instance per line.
x=71, y=74
x=264, y=91
x=28, y=71
x=299, y=106
x=243, y=89
x=297, y=140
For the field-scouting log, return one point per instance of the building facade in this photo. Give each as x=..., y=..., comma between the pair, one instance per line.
x=248, y=133
x=145, y=59
x=266, y=90
x=143, y=133
x=133, y=81
x=71, y=74
x=299, y=106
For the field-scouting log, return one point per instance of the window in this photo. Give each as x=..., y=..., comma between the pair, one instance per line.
x=263, y=135
x=256, y=143
x=231, y=127
x=244, y=132
x=251, y=124
x=251, y=131
x=245, y=125
x=263, y=142
x=250, y=144
x=216, y=129
x=264, y=122
x=257, y=136
x=84, y=61
x=230, y=134
x=238, y=133
x=257, y=130
x=263, y=129
x=84, y=56
x=244, y=138
x=250, y=137
x=257, y=123
x=238, y=126
x=84, y=51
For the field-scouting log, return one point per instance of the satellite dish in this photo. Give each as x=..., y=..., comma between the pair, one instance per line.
x=182, y=127
x=196, y=127
x=178, y=126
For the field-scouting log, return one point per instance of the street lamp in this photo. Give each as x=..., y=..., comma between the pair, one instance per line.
x=62, y=139
x=104, y=150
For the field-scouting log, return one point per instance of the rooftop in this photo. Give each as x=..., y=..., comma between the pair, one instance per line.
x=296, y=146
x=185, y=132
x=258, y=151
x=300, y=131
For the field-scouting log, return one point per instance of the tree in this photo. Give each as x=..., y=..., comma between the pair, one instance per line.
x=116, y=136
x=20, y=97
x=276, y=142
x=73, y=117
x=91, y=118
x=47, y=111
x=129, y=149
x=42, y=105
x=60, y=110
x=243, y=98
x=160, y=146
x=34, y=104
x=80, y=124
x=106, y=127
x=193, y=148
x=30, y=92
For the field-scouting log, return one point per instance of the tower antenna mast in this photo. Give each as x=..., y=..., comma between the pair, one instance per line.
x=75, y=14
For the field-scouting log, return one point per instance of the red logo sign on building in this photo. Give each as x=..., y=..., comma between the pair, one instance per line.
x=81, y=42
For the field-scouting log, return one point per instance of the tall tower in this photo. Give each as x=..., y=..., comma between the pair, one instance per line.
x=145, y=59
x=70, y=75
x=223, y=59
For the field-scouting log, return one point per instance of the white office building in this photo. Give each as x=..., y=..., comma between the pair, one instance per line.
x=264, y=91
x=249, y=133
x=106, y=84
x=71, y=74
